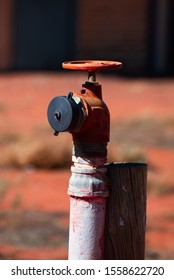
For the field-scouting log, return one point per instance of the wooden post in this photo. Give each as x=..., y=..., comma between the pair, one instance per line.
x=126, y=212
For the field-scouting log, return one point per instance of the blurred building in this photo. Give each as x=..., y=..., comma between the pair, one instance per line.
x=40, y=34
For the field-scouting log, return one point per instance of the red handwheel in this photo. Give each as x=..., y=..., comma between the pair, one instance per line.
x=92, y=65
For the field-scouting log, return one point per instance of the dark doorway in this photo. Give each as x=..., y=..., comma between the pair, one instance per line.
x=161, y=39
x=44, y=33
x=171, y=39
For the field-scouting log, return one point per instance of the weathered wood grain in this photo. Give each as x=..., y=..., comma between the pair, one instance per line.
x=126, y=212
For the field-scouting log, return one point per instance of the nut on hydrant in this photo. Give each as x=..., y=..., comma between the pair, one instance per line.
x=87, y=118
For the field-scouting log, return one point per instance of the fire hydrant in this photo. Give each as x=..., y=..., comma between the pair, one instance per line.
x=87, y=118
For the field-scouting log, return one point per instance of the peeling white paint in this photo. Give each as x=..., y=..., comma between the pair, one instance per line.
x=86, y=231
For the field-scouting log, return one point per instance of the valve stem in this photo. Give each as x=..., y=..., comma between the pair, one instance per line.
x=92, y=77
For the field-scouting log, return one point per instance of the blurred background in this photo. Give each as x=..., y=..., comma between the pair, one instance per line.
x=37, y=35
x=35, y=38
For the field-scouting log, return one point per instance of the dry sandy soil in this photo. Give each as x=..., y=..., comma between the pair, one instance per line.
x=34, y=165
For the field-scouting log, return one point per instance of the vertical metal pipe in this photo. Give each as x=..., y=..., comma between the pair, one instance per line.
x=88, y=190
x=86, y=233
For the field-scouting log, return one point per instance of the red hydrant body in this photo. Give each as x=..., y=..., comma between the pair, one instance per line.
x=97, y=124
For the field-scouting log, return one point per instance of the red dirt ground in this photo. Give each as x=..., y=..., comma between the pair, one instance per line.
x=41, y=194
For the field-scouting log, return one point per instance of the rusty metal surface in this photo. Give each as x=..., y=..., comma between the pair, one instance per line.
x=92, y=65
x=96, y=127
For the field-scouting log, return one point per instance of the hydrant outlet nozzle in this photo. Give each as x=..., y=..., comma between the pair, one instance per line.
x=66, y=113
